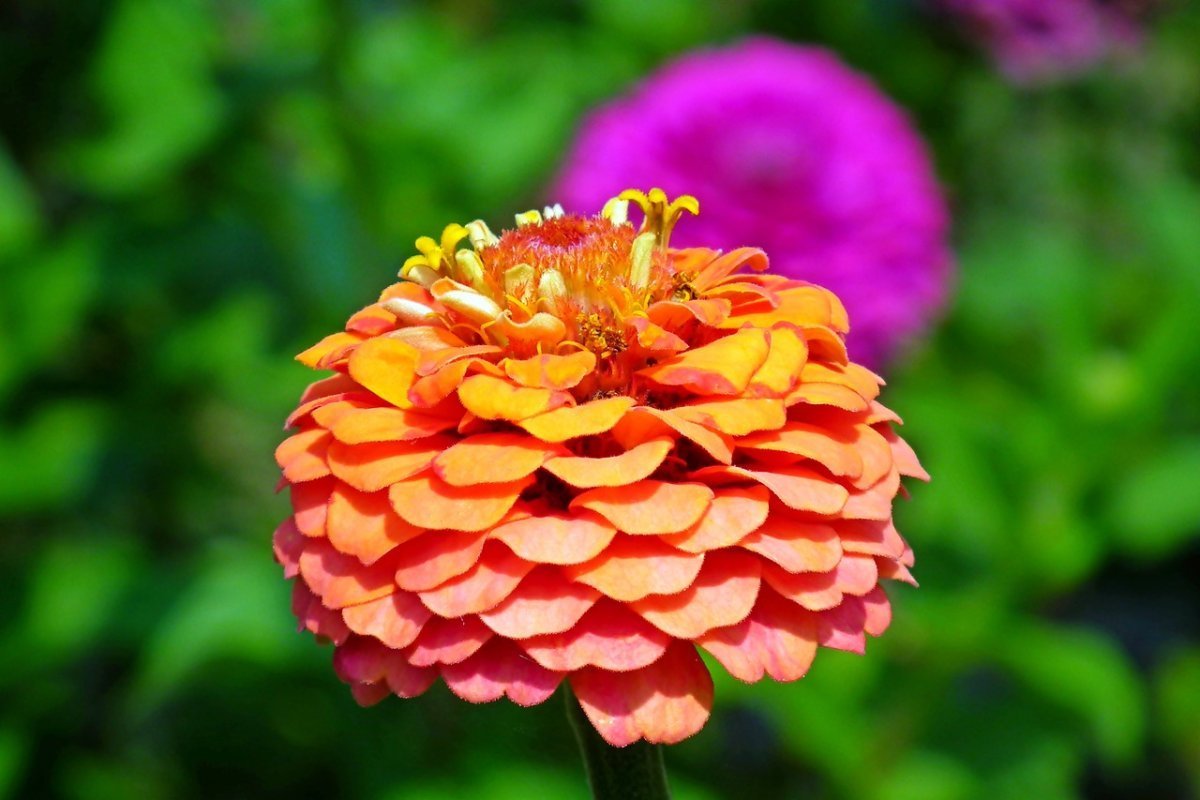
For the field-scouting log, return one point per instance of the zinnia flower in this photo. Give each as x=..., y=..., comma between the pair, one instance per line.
x=1038, y=41
x=791, y=150
x=573, y=453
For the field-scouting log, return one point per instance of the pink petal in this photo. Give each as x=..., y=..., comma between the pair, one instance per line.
x=722, y=594
x=492, y=579
x=501, y=669
x=609, y=636
x=776, y=639
x=394, y=620
x=448, y=641
x=544, y=602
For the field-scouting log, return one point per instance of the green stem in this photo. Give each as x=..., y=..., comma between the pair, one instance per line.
x=633, y=772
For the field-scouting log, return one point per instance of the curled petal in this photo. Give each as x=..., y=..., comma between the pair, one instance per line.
x=388, y=425
x=364, y=525
x=491, y=458
x=797, y=487
x=903, y=456
x=394, y=620
x=341, y=580
x=492, y=579
x=629, y=467
x=649, y=507
x=608, y=636
x=557, y=538
x=775, y=640
x=735, y=417
x=634, y=567
x=876, y=453
x=827, y=394
x=843, y=628
x=544, y=602
x=830, y=447
x=310, y=505
x=588, y=419
x=874, y=503
x=722, y=367
x=315, y=618
x=800, y=304
x=644, y=423
x=386, y=366
x=495, y=398
x=815, y=591
x=377, y=465
x=546, y=330
x=364, y=663
x=654, y=338
x=332, y=343
x=663, y=703
x=722, y=594
x=498, y=670
x=448, y=641
x=734, y=513
x=302, y=456
x=780, y=373
x=426, y=501
x=871, y=537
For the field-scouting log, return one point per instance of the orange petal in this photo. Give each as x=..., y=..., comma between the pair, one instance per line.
x=725, y=264
x=871, y=537
x=644, y=423
x=843, y=628
x=664, y=703
x=430, y=560
x=878, y=611
x=814, y=591
x=824, y=343
x=341, y=580
x=330, y=344
x=831, y=448
x=430, y=339
x=551, y=371
x=856, y=575
x=722, y=594
x=302, y=456
x=780, y=373
x=735, y=417
x=491, y=458
x=654, y=338
x=609, y=636
x=648, y=507
x=903, y=456
x=801, y=304
x=588, y=419
x=495, y=398
x=394, y=620
x=557, y=538
x=364, y=525
x=795, y=545
x=673, y=315
x=797, y=487
x=630, y=467
x=722, y=367
x=827, y=394
x=634, y=567
x=327, y=415
x=387, y=367
x=429, y=390
x=371, y=321
x=377, y=465
x=874, y=503
x=734, y=513
x=774, y=640
x=544, y=602
x=388, y=425
x=448, y=641
x=315, y=618
x=501, y=669
x=492, y=579
x=310, y=502
x=853, y=376
x=428, y=502
x=876, y=453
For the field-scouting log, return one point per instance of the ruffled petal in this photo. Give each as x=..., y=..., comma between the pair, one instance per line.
x=648, y=507
x=795, y=545
x=608, y=636
x=722, y=594
x=482, y=587
x=387, y=367
x=448, y=641
x=633, y=567
x=587, y=419
x=736, y=417
x=394, y=620
x=302, y=456
x=376, y=466
x=501, y=669
x=544, y=602
x=797, y=487
x=775, y=640
x=557, y=538
x=341, y=580
x=491, y=458
x=734, y=513
x=363, y=425
x=495, y=398
x=725, y=366
x=428, y=502
x=621, y=470
x=551, y=371
x=364, y=525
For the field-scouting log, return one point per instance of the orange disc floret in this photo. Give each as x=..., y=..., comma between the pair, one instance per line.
x=571, y=452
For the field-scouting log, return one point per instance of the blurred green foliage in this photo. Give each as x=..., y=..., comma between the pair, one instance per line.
x=193, y=190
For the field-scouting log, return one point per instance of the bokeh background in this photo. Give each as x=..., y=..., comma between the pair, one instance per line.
x=191, y=191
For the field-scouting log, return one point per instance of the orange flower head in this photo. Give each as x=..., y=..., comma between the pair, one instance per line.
x=571, y=452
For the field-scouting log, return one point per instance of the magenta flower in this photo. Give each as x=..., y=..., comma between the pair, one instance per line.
x=1036, y=41
x=786, y=147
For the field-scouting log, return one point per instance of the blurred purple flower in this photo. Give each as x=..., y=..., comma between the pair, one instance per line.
x=790, y=150
x=1041, y=40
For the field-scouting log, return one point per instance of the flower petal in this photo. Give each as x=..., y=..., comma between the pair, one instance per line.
x=310, y=505
x=301, y=456
x=388, y=425
x=448, y=641
x=736, y=417
x=874, y=503
x=774, y=640
x=644, y=423
x=315, y=618
x=648, y=507
x=387, y=367
x=501, y=669
x=341, y=580
x=609, y=636
x=795, y=545
x=734, y=513
x=429, y=502
x=871, y=537
x=843, y=628
x=663, y=703
x=815, y=591
x=551, y=371
x=375, y=466
x=544, y=602
x=557, y=538
x=629, y=467
x=721, y=367
x=722, y=594
x=288, y=544
x=364, y=525
x=587, y=419
x=394, y=620
x=432, y=559
x=878, y=611
x=633, y=567
x=780, y=373
x=495, y=398
x=831, y=448
x=492, y=579
x=902, y=454
x=798, y=488
x=491, y=458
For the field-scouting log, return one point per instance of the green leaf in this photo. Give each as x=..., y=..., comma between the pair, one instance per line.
x=1155, y=507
